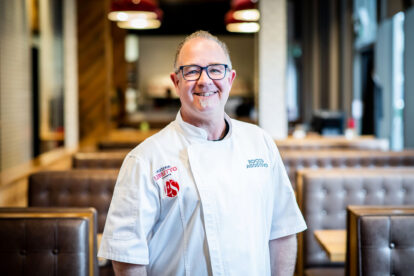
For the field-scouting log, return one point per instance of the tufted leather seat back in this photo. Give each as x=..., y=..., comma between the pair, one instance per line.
x=98, y=160
x=117, y=145
x=46, y=241
x=73, y=188
x=323, y=196
x=333, y=143
x=380, y=240
x=295, y=160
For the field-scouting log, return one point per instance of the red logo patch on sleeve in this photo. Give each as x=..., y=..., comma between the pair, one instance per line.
x=171, y=188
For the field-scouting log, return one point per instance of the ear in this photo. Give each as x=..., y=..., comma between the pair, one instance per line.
x=232, y=76
x=175, y=80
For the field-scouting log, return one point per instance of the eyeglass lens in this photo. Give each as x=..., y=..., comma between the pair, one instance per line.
x=214, y=71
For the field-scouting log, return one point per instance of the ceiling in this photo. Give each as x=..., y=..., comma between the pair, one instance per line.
x=186, y=16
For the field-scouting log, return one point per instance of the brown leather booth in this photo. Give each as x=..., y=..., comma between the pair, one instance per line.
x=46, y=241
x=73, y=188
x=98, y=160
x=380, y=240
x=126, y=138
x=323, y=196
x=295, y=160
x=333, y=143
x=116, y=145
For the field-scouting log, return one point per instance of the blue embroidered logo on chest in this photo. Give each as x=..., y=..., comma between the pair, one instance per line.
x=256, y=163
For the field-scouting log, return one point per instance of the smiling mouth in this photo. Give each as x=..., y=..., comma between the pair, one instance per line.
x=206, y=94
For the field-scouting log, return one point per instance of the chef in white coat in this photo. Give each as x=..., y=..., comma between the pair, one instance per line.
x=207, y=195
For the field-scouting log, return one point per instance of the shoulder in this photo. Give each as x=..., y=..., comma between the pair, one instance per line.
x=254, y=136
x=250, y=131
x=244, y=126
x=156, y=143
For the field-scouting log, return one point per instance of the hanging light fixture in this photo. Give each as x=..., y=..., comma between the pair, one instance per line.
x=245, y=10
x=243, y=17
x=135, y=14
x=139, y=23
x=240, y=26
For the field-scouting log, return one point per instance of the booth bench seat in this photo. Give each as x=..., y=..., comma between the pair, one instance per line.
x=324, y=194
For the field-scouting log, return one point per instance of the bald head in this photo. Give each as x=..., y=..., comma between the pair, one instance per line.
x=204, y=35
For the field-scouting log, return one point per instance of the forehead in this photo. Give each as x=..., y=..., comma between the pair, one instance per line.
x=201, y=51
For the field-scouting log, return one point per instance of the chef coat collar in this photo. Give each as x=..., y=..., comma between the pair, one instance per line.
x=198, y=134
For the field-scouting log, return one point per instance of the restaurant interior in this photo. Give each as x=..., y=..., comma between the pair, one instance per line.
x=332, y=81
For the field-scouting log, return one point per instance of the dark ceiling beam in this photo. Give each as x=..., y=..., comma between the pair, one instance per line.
x=189, y=16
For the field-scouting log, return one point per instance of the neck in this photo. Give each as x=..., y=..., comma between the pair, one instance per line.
x=215, y=127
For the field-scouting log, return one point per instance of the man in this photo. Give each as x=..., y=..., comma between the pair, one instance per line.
x=207, y=195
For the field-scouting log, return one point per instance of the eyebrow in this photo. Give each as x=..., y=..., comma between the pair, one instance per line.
x=214, y=63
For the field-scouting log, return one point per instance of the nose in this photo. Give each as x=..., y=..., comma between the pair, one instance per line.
x=204, y=78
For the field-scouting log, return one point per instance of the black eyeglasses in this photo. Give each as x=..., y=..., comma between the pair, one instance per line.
x=193, y=72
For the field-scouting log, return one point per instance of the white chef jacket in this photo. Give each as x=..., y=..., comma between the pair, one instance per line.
x=184, y=205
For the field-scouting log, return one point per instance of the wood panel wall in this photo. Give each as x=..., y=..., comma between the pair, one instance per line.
x=94, y=67
x=321, y=58
x=120, y=74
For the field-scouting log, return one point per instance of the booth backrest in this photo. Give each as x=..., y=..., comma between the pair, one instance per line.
x=46, y=241
x=324, y=194
x=98, y=160
x=380, y=240
x=127, y=138
x=295, y=160
x=333, y=143
x=73, y=188
x=116, y=145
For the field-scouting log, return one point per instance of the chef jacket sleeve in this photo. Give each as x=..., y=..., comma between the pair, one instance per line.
x=133, y=211
x=287, y=218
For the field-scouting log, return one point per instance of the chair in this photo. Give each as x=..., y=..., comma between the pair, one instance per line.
x=333, y=143
x=116, y=145
x=46, y=241
x=73, y=188
x=323, y=196
x=380, y=240
x=295, y=160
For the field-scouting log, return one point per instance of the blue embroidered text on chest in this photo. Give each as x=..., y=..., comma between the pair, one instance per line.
x=256, y=163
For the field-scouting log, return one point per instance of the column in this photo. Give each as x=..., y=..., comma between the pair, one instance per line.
x=272, y=55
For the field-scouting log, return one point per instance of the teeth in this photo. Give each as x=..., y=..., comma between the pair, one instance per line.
x=205, y=94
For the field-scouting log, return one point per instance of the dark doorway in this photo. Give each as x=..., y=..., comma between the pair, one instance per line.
x=35, y=101
x=367, y=67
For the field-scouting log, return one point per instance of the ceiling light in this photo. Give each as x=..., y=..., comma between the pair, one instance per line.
x=139, y=24
x=248, y=15
x=240, y=26
x=125, y=10
x=244, y=27
x=245, y=10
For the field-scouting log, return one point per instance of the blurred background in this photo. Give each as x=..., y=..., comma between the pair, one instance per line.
x=70, y=74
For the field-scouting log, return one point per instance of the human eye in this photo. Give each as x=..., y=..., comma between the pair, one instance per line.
x=191, y=71
x=216, y=69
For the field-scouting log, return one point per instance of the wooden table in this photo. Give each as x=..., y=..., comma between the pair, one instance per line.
x=129, y=135
x=333, y=242
x=124, y=138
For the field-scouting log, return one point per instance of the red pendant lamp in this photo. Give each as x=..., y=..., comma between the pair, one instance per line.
x=243, y=17
x=240, y=26
x=139, y=24
x=245, y=10
x=136, y=14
